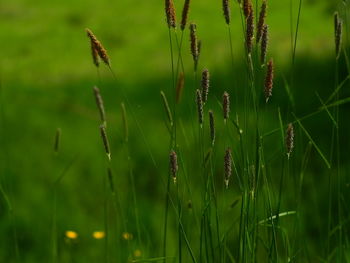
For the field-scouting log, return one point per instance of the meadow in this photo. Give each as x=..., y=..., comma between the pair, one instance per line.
x=189, y=174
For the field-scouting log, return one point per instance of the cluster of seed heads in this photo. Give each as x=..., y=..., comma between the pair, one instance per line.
x=269, y=80
x=97, y=48
x=173, y=164
x=290, y=139
x=247, y=7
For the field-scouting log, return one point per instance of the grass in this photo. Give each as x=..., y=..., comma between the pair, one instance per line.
x=274, y=209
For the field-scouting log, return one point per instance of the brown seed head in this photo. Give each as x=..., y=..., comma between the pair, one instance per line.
x=226, y=105
x=269, y=80
x=173, y=164
x=105, y=141
x=227, y=166
x=99, y=103
x=185, y=11
x=226, y=9
x=180, y=86
x=247, y=7
x=205, y=85
x=264, y=44
x=170, y=13
x=199, y=106
x=194, y=44
x=212, y=127
x=95, y=57
x=250, y=31
x=261, y=21
x=101, y=51
x=290, y=139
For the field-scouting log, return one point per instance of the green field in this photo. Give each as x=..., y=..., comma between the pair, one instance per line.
x=46, y=81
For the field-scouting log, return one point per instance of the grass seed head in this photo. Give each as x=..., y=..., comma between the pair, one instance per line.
x=227, y=12
x=170, y=13
x=173, y=164
x=101, y=51
x=338, y=31
x=226, y=105
x=261, y=21
x=227, y=166
x=99, y=103
x=205, y=85
x=194, y=44
x=105, y=141
x=289, y=139
x=212, y=127
x=199, y=102
x=247, y=7
x=269, y=80
x=250, y=31
x=185, y=12
x=264, y=44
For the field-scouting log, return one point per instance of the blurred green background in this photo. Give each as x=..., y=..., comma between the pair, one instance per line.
x=47, y=75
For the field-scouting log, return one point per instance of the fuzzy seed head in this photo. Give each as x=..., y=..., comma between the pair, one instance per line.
x=205, y=85
x=194, y=44
x=227, y=166
x=289, y=139
x=250, y=31
x=95, y=57
x=226, y=105
x=226, y=9
x=173, y=164
x=105, y=141
x=269, y=80
x=101, y=51
x=212, y=127
x=199, y=101
x=264, y=44
x=170, y=13
x=99, y=103
x=185, y=12
x=247, y=7
x=261, y=21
